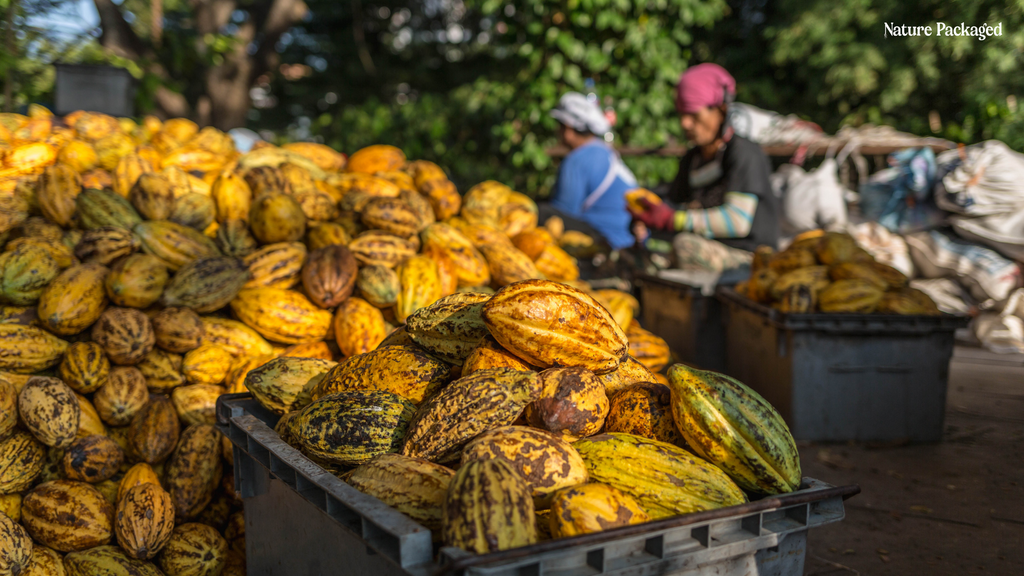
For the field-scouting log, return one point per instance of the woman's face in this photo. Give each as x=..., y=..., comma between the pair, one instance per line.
x=701, y=128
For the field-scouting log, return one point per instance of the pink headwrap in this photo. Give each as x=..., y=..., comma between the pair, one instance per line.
x=701, y=86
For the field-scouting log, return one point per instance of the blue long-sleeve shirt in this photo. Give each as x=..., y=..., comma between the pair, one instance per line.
x=580, y=174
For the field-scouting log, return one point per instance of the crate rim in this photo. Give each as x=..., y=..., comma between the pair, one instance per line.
x=846, y=323
x=227, y=413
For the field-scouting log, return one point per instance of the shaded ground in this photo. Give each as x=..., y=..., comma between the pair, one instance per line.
x=952, y=508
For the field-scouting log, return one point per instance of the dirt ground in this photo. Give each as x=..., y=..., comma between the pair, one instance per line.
x=953, y=508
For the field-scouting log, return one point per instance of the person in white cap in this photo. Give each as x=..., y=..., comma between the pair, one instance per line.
x=592, y=180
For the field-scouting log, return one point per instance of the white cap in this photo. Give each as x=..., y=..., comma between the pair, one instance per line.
x=580, y=114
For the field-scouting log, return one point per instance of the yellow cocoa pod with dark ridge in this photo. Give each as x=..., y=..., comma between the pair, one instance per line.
x=8, y=408
x=275, y=265
x=325, y=157
x=127, y=171
x=174, y=244
x=649, y=349
x=893, y=278
x=89, y=423
x=907, y=301
x=136, y=281
x=206, y=284
x=324, y=234
x=177, y=330
x=283, y=316
x=97, y=208
x=546, y=461
x=815, y=277
x=451, y=327
x=194, y=548
x=547, y=324
x=50, y=410
x=375, y=248
x=125, y=334
x=92, y=459
x=277, y=218
x=630, y=371
x=234, y=239
x=665, y=480
x=792, y=259
x=471, y=267
x=592, y=508
x=106, y=245
x=443, y=196
x=15, y=547
x=760, y=285
x=194, y=211
x=850, y=297
x=378, y=285
x=465, y=408
x=137, y=475
x=25, y=272
x=122, y=396
x=74, y=299
x=798, y=299
x=79, y=155
x=413, y=486
x=762, y=257
x=857, y=271
x=393, y=216
x=153, y=433
x=376, y=158
x=836, y=248
x=26, y=349
x=354, y=427
x=556, y=264
x=22, y=459
x=489, y=354
x=144, y=520
x=573, y=403
x=153, y=196
x=265, y=180
x=404, y=370
x=85, y=367
x=620, y=305
x=643, y=409
x=287, y=383
x=162, y=371
x=67, y=516
x=488, y=508
x=734, y=428
x=194, y=470
x=508, y=264
x=235, y=337
x=56, y=191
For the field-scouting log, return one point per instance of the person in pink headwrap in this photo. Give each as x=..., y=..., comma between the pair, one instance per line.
x=721, y=191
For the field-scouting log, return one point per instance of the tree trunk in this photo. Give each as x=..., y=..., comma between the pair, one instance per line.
x=12, y=54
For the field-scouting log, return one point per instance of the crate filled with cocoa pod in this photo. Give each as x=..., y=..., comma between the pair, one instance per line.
x=147, y=268
x=839, y=343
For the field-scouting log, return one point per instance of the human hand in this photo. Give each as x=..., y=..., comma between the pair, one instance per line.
x=657, y=216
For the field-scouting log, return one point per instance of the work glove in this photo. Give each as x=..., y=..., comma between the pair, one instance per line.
x=657, y=216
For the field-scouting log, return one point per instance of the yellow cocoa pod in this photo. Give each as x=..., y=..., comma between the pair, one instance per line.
x=277, y=218
x=275, y=265
x=197, y=403
x=162, y=371
x=907, y=301
x=152, y=196
x=136, y=281
x=232, y=196
x=26, y=349
x=649, y=349
x=850, y=296
x=546, y=324
x=144, y=520
x=791, y=259
x=420, y=286
x=573, y=403
x=490, y=354
x=323, y=156
x=122, y=395
x=127, y=172
x=25, y=272
x=89, y=423
x=376, y=158
x=358, y=327
x=488, y=508
x=326, y=234
x=174, y=244
x=234, y=336
x=281, y=315
x=592, y=508
x=815, y=277
x=471, y=267
x=177, y=330
x=74, y=299
x=392, y=215
x=125, y=334
x=836, y=248
x=381, y=249
x=508, y=264
x=444, y=198
x=79, y=155
x=207, y=364
x=67, y=516
x=85, y=367
x=857, y=271
x=56, y=190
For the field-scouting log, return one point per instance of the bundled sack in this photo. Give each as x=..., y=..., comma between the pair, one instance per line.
x=948, y=295
x=810, y=200
x=900, y=198
x=1003, y=331
x=982, y=271
x=981, y=180
x=1004, y=232
x=884, y=246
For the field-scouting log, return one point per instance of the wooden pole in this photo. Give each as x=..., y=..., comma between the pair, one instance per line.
x=11, y=49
